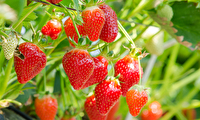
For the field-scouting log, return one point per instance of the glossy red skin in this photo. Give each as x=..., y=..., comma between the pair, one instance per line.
x=112, y=112
x=54, y=1
x=154, y=112
x=35, y=60
x=100, y=71
x=91, y=109
x=46, y=108
x=52, y=29
x=107, y=93
x=110, y=29
x=93, y=19
x=128, y=68
x=136, y=101
x=71, y=32
x=79, y=66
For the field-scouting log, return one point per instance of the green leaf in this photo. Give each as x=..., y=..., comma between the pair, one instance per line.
x=57, y=83
x=17, y=5
x=187, y=22
x=32, y=16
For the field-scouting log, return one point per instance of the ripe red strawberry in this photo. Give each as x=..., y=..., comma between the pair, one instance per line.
x=46, y=107
x=136, y=100
x=100, y=71
x=91, y=109
x=128, y=68
x=110, y=28
x=79, y=66
x=52, y=29
x=71, y=32
x=35, y=60
x=107, y=93
x=93, y=19
x=153, y=113
x=9, y=45
x=54, y=1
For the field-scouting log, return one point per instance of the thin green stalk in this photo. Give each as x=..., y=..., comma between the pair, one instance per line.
x=55, y=45
x=185, y=81
x=79, y=36
x=45, y=80
x=126, y=34
x=3, y=33
x=140, y=81
x=139, y=7
x=63, y=90
x=26, y=15
x=2, y=60
x=4, y=81
x=168, y=70
x=143, y=30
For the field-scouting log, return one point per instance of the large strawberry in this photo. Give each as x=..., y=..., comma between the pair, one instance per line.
x=33, y=63
x=93, y=19
x=52, y=29
x=136, y=100
x=91, y=109
x=100, y=71
x=128, y=68
x=9, y=45
x=79, y=66
x=154, y=112
x=110, y=28
x=71, y=32
x=107, y=93
x=46, y=108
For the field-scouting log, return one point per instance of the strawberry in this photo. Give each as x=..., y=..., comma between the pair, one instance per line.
x=153, y=113
x=9, y=45
x=136, y=100
x=128, y=68
x=54, y=1
x=110, y=28
x=79, y=66
x=107, y=94
x=46, y=107
x=52, y=29
x=33, y=63
x=91, y=109
x=112, y=112
x=100, y=71
x=71, y=32
x=93, y=19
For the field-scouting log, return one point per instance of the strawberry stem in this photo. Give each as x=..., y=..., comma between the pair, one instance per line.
x=79, y=36
x=45, y=80
x=140, y=81
x=63, y=90
x=125, y=33
x=3, y=34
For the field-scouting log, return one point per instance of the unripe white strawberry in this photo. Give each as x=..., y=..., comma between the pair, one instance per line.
x=165, y=12
x=9, y=45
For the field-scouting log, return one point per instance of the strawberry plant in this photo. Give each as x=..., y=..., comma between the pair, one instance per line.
x=99, y=59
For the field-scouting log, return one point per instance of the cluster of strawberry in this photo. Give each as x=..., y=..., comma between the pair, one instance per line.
x=84, y=70
x=98, y=22
x=52, y=29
